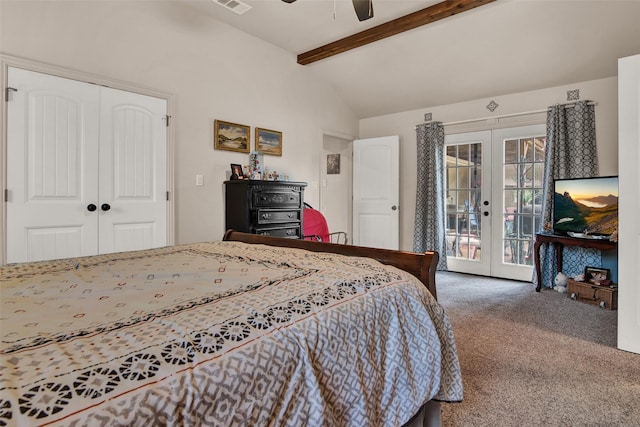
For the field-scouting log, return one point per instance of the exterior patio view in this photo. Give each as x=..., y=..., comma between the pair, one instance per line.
x=523, y=175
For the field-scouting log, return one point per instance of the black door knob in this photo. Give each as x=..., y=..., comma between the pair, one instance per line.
x=105, y=207
x=91, y=207
x=485, y=213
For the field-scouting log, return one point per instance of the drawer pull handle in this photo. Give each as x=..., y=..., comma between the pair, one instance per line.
x=265, y=216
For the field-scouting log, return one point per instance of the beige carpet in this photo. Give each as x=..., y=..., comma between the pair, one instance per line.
x=536, y=359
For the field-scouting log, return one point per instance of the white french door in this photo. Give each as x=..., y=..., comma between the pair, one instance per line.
x=86, y=169
x=518, y=174
x=494, y=193
x=468, y=201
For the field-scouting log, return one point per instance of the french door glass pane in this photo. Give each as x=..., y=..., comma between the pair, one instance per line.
x=464, y=178
x=523, y=174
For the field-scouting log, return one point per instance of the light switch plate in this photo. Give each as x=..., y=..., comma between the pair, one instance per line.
x=199, y=180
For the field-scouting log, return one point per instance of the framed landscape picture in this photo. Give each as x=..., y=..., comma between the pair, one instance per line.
x=269, y=141
x=231, y=136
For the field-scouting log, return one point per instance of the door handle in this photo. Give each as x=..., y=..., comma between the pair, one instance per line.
x=105, y=207
x=91, y=207
x=485, y=213
x=394, y=207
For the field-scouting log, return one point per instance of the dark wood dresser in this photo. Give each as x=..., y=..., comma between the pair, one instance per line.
x=271, y=208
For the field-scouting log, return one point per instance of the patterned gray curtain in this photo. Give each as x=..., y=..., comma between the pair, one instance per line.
x=430, y=233
x=571, y=153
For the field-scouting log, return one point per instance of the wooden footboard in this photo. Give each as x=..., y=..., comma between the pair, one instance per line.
x=423, y=265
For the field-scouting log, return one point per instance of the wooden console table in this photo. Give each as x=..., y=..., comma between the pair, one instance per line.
x=560, y=242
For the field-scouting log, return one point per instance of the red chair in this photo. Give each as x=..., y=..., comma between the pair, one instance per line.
x=316, y=228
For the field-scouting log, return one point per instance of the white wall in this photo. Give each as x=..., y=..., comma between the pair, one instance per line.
x=213, y=71
x=603, y=92
x=336, y=189
x=628, y=248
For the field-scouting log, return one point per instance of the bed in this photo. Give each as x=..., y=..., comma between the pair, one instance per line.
x=250, y=330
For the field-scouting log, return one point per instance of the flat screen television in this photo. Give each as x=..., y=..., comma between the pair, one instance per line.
x=585, y=206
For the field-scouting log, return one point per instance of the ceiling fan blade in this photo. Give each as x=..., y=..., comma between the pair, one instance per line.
x=288, y=1
x=364, y=9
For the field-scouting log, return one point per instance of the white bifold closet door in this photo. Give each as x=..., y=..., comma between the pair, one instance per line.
x=86, y=169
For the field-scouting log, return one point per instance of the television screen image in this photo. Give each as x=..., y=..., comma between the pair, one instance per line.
x=586, y=206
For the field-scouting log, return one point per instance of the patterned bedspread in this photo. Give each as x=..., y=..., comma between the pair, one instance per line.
x=220, y=334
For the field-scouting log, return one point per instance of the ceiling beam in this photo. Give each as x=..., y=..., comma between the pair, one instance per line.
x=417, y=19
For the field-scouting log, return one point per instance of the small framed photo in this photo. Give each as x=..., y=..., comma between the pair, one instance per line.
x=231, y=136
x=333, y=164
x=597, y=276
x=236, y=172
x=269, y=141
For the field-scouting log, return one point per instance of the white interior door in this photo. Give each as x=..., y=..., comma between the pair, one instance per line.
x=86, y=169
x=376, y=192
x=133, y=179
x=52, y=152
x=629, y=192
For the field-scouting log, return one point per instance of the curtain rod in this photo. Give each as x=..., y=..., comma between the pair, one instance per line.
x=572, y=103
x=504, y=116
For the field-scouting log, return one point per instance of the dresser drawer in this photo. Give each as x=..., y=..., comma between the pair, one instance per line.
x=289, y=232
x=276, y=198
x=272, y=216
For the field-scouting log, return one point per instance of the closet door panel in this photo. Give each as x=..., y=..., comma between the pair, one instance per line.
x=86, y=169
x=132, y=171
x=52, y=147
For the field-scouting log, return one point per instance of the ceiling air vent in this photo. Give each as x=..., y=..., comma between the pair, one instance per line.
x=234, y=5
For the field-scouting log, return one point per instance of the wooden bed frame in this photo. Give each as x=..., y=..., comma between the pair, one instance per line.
x=423, y=266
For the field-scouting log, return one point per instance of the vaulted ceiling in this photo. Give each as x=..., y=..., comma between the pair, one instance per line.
x=502, y=47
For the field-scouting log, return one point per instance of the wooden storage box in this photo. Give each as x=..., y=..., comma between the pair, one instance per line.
x=602, y=296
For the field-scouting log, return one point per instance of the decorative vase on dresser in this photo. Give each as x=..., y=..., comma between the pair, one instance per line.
x=272, y=208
